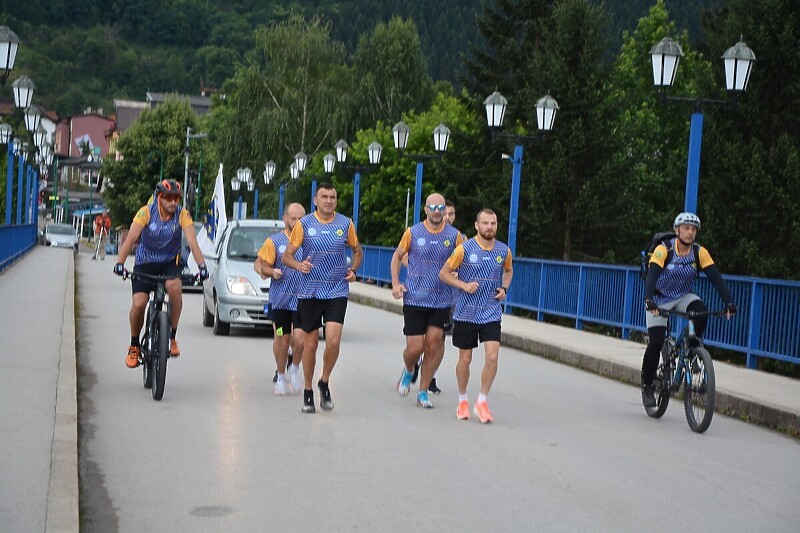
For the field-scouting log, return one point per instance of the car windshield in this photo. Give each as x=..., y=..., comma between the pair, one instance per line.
x=61, y=229
x=244, y=243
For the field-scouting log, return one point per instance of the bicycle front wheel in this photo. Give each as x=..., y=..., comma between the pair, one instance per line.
x=662, y=381
x=699, y=397
x=162, y=354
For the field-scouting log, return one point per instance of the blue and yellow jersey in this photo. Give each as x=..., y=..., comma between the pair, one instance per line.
x=324, y=244
x=427, y=251
x=161, y=239
x=486, y=267
x=678, y=275
x=283, y=291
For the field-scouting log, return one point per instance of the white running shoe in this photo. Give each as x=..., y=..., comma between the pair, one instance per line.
x=297, y=383
x=280, y=387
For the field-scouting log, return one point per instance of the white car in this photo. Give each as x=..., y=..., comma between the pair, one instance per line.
x=234, y=294
x=61, y=236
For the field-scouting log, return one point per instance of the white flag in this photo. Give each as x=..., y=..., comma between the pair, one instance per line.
x=215, y=220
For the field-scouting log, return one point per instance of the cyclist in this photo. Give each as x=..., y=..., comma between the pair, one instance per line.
x=670, y=274
x=159, y=252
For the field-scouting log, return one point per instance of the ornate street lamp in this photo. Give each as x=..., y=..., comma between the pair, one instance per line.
x=6, y=132
x=300, y=160
x=23, y=92
x=441, y=137
x=33, y=116
x=546, y=109
x=9, y=43
x=329, y=161
x=269, y=172
x=341, y=150
x=40, y=136
x=665, y=57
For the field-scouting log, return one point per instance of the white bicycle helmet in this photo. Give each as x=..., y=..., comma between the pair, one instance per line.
x=687, y=218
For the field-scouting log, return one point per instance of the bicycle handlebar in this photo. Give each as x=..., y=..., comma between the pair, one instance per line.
x=142, y=276
x=690, y=314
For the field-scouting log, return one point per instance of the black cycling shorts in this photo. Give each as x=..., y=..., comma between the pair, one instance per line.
x=312, y=311
x=169, y=268
x=466, y=334
x=284, y=320
x=417, y=319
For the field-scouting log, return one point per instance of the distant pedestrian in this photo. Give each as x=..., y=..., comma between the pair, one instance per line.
x=426, y=299
x=283, y=300
x=324, y=236
x=102, y=227
x=484, y=272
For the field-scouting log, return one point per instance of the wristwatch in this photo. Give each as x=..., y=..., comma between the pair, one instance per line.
x=505, y=289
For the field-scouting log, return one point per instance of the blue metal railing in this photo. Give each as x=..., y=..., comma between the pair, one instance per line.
x=14, y=242
x=767, y=325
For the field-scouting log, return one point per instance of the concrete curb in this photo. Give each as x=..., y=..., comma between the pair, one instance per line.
x=63, y=492
x=729, y=403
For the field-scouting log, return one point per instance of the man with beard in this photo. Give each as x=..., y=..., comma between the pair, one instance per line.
x=484, y=272
x=283, y=299
x=426, y=300
x=324, y=236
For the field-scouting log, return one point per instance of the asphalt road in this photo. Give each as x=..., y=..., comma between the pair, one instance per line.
x=568, y=451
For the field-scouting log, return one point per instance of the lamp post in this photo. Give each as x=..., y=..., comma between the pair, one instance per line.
x=546, y=109
x=441, y=138
x=5, y=138
x=92, y=162
x=665, y=56
x=236, y=185
x=268, y=174
x=186, y=151
x=374, y=153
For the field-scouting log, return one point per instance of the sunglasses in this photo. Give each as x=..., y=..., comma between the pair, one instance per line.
x=436, y=207
x=171, y=199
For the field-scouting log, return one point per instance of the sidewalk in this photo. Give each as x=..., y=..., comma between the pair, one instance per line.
x=38, y=397
x=766, y=399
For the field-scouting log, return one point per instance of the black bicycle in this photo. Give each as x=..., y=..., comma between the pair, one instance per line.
x=155, y=339
x=685, y=361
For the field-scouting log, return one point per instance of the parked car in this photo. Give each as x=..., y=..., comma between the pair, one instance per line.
x=234, y=295
x=60, y=236
x=185, y=253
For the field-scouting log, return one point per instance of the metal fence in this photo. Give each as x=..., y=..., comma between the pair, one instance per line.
x=15, y=241
x=767, y=324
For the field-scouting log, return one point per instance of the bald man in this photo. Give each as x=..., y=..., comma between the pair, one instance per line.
x=283, y=300
x=426, y=299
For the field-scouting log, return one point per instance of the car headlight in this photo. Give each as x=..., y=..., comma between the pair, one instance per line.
x=241, y=286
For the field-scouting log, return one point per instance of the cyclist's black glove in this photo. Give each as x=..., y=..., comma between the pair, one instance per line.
x=119, y=269
x=650, y=305
x=731, y=309
x=202, y=275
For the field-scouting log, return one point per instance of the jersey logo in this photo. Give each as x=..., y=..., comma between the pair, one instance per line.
x=312, y=231
x=473, y=258
x=499, y=259
x=282, y=248
x=659, y=254
x=446, y=242
x=339, y=232
x=421, y=241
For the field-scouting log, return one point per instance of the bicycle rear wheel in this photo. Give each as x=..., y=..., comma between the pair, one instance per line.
x=662, y=381
x=700, y=393
x=159, y=358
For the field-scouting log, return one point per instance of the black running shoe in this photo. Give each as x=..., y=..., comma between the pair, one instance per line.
x=275, y=377
x=433, y=388
x=308, y=402
x=415, y=375
x=648, y=396
x=325, y=396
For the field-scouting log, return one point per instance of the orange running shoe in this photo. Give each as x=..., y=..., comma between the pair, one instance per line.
x=132, y=359
x=481, y=410
x=462, y=413
x=174, y=351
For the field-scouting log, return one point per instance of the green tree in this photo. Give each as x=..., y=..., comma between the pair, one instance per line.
x=391, y=73
x=158, y=135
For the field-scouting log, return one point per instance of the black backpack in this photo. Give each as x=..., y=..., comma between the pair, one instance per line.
x=665, y=238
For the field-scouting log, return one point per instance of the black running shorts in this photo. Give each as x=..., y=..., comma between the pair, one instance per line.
x=312, y=311
x=154, y=269
x=283, y=320
x=466, y=334
x=416, y=320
